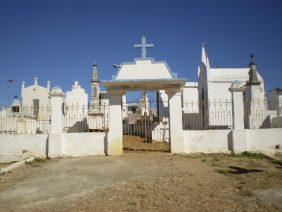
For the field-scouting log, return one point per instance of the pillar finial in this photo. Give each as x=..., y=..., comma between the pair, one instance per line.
x=35, y=80
x=253, y=76
x=95, y=77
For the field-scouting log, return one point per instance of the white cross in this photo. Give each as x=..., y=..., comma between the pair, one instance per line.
x=143, y=46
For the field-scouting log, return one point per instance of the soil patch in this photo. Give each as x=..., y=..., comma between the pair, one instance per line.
x=145, y=181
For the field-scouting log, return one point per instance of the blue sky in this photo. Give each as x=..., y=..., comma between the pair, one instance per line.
x=59, y=40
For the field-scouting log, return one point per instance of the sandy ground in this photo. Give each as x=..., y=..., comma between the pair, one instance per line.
x=144, y=182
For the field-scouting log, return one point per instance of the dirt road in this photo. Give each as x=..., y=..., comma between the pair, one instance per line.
x=144, y=181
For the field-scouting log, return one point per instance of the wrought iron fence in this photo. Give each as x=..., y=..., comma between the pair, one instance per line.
x=260, y=113
x=25, y=120
x=212, y=114
x=146, y=126
x=85, y=118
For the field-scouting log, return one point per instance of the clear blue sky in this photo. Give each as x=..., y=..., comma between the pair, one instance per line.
x=59, y=40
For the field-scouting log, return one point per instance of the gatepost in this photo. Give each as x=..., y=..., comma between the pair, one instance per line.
x=175, y=121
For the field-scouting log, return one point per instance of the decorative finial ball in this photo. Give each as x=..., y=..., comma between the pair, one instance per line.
x=56, y=90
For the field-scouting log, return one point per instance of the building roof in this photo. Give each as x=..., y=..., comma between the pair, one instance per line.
x=230, y=74
x=144, y=74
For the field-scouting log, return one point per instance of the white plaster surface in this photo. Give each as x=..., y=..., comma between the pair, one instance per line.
x=239, y=142
x=264, y=139
x=56, y=114
x=19, y=147
x=144, y=69
x=115, y=125
x=206, y=141
x=237, y=108
x=35, y=92
x=175, y=122
x=83, y=144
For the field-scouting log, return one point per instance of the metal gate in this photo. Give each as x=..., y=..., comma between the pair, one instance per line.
x=146, y=126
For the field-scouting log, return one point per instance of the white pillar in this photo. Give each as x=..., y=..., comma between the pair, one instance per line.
x=57, y=97
x=238, y=136
x=114, y=139
x=175, y=122
x=237, y=105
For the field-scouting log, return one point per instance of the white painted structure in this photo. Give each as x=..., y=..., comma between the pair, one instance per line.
x=34, y=93
x=215, y=82
x=75, y=107
x=19, y=147
x=76, y=96
x=145, y=74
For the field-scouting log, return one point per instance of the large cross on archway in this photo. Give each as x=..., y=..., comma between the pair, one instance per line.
x=143, y=46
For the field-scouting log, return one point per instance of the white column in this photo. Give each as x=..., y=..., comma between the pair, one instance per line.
x=255, y=102
x=56, y=113
x=175, y=122
x=114, y=139
x=237, y=106
x=238, y=136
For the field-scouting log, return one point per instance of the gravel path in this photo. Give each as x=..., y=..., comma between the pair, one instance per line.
x=144, y=181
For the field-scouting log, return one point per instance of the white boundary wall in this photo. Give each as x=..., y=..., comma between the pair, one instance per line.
x=19, y=147
x=83, y=144
x=206, y=141
x=264, y=139
x=224, y=141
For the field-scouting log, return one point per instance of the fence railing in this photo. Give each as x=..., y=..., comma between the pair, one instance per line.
x=76, y=118
x=213, y=114
x=260, y=113
x=148, y=120
x=85, y=118
x=25, y=120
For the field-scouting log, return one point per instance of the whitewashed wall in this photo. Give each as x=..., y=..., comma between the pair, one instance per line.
x=224, y=141
x=18, y=147
x=35, y=92
x=264, y=139
x=206, y=141
x=83, y=144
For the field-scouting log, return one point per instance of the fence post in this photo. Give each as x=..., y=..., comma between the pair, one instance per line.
x=237, y=105
x=57, y=97
x=114, y=138
x=175, y=121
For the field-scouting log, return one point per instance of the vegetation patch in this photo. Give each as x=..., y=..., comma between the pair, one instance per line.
x=222, y=171
x=252, y=155
x=245, y=193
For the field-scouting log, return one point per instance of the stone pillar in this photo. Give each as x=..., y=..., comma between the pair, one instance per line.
x=175, y=121
x=238, y=136
x=57, y=97
x=55, y=138
x=255, y=102
x=114, y=138
x=237, y=105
